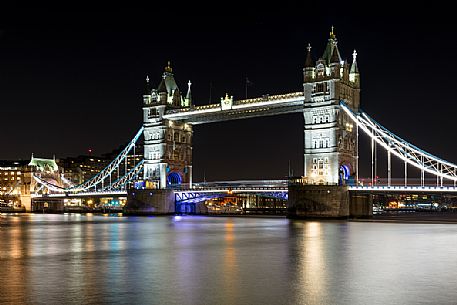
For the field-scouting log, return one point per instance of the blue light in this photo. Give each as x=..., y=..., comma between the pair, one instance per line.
x=346, y=171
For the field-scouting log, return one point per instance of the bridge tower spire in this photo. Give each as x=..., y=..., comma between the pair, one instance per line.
x=330, y=139
x=167, y=143
x=354, y=75
x=308, y=70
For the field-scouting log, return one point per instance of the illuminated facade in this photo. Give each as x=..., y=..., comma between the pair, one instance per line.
x=46, y=169
x=12, y=177
x=167, y=143
x=330, y=136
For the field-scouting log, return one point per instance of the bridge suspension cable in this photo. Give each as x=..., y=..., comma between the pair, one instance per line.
x=122, y=181
x=104, y=174
x=402, y=149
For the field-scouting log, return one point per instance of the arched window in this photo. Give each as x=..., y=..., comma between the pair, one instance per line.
x=174, y=178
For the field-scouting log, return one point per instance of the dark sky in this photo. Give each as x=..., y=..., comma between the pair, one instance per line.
x=73, y=80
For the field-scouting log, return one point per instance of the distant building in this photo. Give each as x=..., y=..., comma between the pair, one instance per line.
x=12, y=177
x=82, y=168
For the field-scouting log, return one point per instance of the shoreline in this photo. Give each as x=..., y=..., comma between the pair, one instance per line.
x=415, y=217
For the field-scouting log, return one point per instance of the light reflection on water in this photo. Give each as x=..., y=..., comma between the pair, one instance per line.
x=92, y=259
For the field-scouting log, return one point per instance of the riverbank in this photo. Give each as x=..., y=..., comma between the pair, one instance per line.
x=413, y=217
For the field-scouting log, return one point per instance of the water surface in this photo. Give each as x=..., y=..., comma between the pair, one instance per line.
x=88, y=259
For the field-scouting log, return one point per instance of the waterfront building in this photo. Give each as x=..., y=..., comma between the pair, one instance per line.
x=12, y=177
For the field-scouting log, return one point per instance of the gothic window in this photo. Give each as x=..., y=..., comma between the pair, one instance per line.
x=314, y=119
x=176, y=138
x=320, y=166
x=327, y=142
x=314, y=160
x=326, y=159
x=152, y=111
x=151, y=155
x=315, y=143
x=327, y=119
x=321, y=143
x=326, y=169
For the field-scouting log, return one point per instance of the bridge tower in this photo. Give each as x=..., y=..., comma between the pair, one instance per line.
x=330, y=137
x=167, y=144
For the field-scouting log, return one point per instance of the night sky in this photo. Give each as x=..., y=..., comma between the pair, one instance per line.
x=70, y=81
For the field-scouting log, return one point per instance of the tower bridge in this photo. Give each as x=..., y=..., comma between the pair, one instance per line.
x=330, y=185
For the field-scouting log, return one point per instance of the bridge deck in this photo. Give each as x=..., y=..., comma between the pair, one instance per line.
x=241, y=109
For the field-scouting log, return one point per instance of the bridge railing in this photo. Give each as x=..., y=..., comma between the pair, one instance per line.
x=264, y=98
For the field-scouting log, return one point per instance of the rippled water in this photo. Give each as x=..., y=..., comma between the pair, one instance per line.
x=87, y=259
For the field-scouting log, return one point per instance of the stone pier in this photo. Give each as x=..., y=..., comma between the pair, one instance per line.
x=150, y=202
x=327, y=202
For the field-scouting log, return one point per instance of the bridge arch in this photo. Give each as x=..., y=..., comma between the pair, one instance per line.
x=174, y=178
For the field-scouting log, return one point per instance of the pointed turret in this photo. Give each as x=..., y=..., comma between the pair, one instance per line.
x=188, y=99
x=354, y=75
x=354, y=68
x=147, y=92
x=309, y=61
x=147, y=87
x=308, y=70
x=169, y=80
x=168, y=91
x=329, y=49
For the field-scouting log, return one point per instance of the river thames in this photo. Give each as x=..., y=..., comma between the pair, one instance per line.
x=96, y=259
